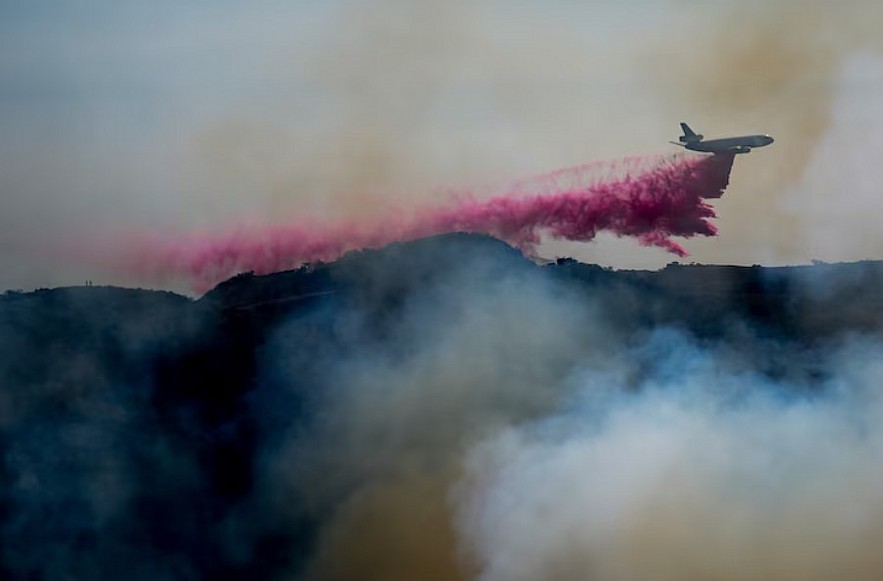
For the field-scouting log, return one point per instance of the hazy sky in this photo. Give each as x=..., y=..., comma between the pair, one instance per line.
x=169, y=116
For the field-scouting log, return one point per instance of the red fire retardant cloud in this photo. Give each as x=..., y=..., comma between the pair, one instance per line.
x=652, y=199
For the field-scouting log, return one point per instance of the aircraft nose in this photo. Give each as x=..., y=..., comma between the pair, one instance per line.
x=768, y=139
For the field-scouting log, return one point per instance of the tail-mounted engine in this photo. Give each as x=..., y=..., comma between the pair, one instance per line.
x=691, y=138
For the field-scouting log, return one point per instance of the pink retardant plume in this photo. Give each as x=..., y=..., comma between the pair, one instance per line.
x=652, y=200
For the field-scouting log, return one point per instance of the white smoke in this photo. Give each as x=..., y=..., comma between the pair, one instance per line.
x=840, y=194
x=703, y=470
x=505, y=428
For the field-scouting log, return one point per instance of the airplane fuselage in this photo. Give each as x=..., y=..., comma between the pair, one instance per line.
x=742, y=144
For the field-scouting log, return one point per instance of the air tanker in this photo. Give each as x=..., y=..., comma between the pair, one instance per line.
x=741, y=144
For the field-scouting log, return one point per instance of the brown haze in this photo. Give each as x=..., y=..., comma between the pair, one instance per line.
x=772, y=67
x=272, y=115
x=415, y=98
x=397, y=430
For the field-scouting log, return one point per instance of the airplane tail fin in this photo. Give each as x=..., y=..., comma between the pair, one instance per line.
x=689, y=135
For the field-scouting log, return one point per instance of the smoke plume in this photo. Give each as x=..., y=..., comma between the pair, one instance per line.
x=703, y=470
x=653, y=199
x=501, y=427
